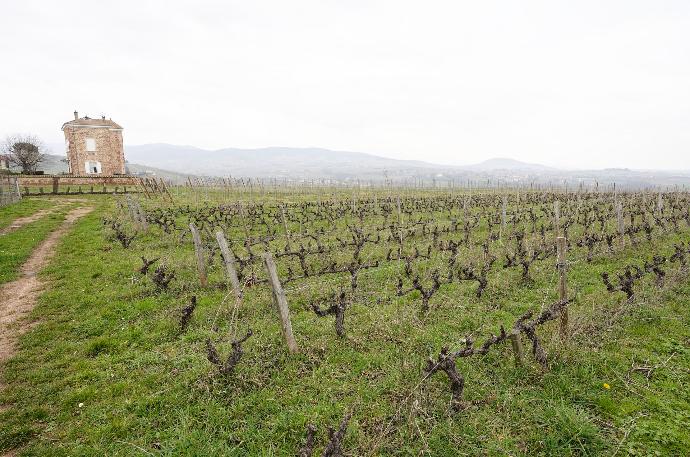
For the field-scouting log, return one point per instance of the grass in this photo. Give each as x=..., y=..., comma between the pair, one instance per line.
x=106, y=372
x=23, y=208
x=16, y=246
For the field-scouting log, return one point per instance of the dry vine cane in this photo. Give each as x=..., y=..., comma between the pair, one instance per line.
x=446, y=363
x=632, y=273
x=446, y=359
x=226, y=368
x=471, y=272
x=426, y=293
x=186, y=315
x=529, y=328
x=680, y=255
x=162, y=277
x=146, y=265
x=655, y=267
x=337, y=309
x=120, y=234
x=521, y=257
x=334, y=447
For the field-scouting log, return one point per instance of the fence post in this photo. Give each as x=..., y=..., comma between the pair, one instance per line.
x=142, y=183
x=557, y=217
x=229, y=260
x=137, y=213
x=130, y=207
x=400, y=221
x=198, y=249
x=621, y=222
x=167, y=191
x=56, y=184
x=504, y=208
x=280, y=302
x=562, y=284
x=287, y=231
x=517, y=348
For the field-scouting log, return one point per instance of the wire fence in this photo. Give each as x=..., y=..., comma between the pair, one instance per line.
x=9, y=190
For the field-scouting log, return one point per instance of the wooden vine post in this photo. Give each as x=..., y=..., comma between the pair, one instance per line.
x=504, y=206
x=562, y=285
x=517, y=347
x=136, y=213
x=198, y=250
x=142, y=217
x=166, y=190
x=400, y=222
x=287, y=231
x=280, y=302
x=142, y=183
x=557, y=218
x=229, y=261
x=620, y=222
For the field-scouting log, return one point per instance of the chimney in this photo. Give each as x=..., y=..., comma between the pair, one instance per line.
x=76, y=115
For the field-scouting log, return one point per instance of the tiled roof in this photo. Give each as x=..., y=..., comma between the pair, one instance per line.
x=93, y=122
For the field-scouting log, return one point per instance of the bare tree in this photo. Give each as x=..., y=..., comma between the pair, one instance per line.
x=24, y=151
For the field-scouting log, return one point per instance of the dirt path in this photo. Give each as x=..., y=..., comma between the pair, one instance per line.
x=22, y=221
x=17, y=298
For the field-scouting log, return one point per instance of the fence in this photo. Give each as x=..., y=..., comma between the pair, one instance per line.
x=68, y=185
x=9, y=190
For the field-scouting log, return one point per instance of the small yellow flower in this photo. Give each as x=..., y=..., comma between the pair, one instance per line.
x=606, y=386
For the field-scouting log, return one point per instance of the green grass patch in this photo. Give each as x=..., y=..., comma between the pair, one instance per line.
x=16, y=246
x=23, y=208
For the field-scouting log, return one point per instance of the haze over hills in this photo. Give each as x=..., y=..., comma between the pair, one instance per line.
x=290, y=162
x=278, y=162
x=502, y=163
x=175, y=162
x=319, y=163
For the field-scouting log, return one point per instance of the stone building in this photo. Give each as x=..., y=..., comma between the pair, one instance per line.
x=94, y=146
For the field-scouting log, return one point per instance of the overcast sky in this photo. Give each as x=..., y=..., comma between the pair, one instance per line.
x=568, y=83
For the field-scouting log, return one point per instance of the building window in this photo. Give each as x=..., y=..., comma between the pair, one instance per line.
x=93, y=168
x=91, y=145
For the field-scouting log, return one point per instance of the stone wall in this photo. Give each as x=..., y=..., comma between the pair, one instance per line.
x=9, y=191
x=50, y=182
x=109, y=149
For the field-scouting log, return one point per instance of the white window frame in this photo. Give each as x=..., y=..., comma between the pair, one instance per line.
x=90, y=144
x=89, y=165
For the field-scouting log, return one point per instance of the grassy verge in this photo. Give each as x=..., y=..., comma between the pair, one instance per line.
x=16, y=247
x=23, y=208
x=106, y=371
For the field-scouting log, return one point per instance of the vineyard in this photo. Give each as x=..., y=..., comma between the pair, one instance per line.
x=363, y=322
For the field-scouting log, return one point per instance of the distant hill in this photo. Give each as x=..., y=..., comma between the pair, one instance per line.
x=300, y=162
x=176, y=163
x=54, y=164
x=273, y=162
x=507, y=164
x=295, y=163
